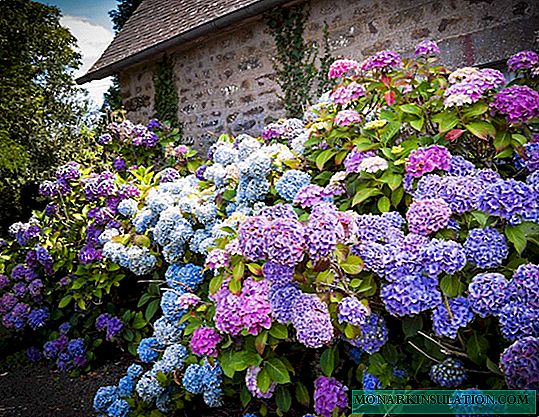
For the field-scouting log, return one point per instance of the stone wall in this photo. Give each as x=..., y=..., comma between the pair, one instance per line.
x=226, y=82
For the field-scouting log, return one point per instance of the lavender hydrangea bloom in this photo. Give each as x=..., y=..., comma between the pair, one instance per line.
x=428, y=216
x=460, y=166
x=383, y=60
x=373, y=255
x=443, y=256
x=524, y=285
x=329, y=394
x=252, y=237
x=278, y=274
x=282, y=298
x=38, y=317
x=89, y=254
x=353, y=160
x=410, y=295
x=311, y=319
x=487, y=293
x=518, y=104
x=344, y=94
x=518, y=320
x=322, y=231
x=311, y=195
x=373, y=334
x=447, y=323
x=285, y=241
x=353, y=311
x=509, y=199
x=520, y=364
x=485, y=248
x=347, y=117
x=68, y=172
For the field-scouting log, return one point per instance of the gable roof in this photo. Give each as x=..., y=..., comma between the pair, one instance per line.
x=157, y=25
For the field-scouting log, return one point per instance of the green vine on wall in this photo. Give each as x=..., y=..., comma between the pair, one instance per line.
x=294, y=61
x=166, y=95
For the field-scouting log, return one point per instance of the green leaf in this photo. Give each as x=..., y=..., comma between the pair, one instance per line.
x=502, y=140
x=492, y=367
x=144, y=299
x=245, y=396
x=65, y=301
x=364, y=194
x=215, y=283
x=260, y=342
x=411, y=109
x=417, y=124
x=243, y=359
x=323, y=157
x=263, y=380
x=475, y=110
x=411, y=325
x=396, y=196
x=450, y=285
x=79, y=282
x=353, y=265
x=446, y=120
x=279, y=331
x=482, y=130
x=517, y=237
x=327, y=361
x=277, y=371
x=139, y=321
x=384, y=204
x=239, y=270
x=151, y=309
x=235, y=286
x=302, y=394
x=283, y=399
x=476, y=347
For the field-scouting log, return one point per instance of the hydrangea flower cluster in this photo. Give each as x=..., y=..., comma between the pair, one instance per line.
x=518, y=104
x=428, y=159
x=252, y=385
x=66, y=353
x=329, y=394
x=449, y=374
x=520, y=364
x=112, y=325
x=383, y=61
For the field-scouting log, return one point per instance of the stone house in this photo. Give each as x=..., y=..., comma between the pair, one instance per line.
x=221, y=51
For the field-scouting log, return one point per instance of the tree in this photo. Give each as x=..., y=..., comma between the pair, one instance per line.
x=125, y=8
x=41, y=107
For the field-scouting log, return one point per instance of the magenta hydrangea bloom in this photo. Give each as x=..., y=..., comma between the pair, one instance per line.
x=382, y=60
x=273, y=130
x=284, y=241
x=427, y=48
x=248, y=310
x=520, y=364
x=217, y=258
x=518, y=104
x=342, y=67
x=523, y=60
x=347, y=118
x=428, y=216
x=428, y=159
x=205, y=341
x=329, y=394
x=252, y=386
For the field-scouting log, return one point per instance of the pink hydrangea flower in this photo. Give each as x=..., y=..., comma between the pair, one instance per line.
x=217, y=258
x=347, y=117
x=342, y=67
x=427, y=48
x=344, y=94
x=428, y=216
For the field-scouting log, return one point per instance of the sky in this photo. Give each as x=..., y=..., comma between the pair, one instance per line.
x=89, y=22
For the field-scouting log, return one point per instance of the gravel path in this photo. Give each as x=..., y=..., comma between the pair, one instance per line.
x=38, y=391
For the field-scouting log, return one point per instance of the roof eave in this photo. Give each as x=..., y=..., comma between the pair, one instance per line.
x=219, y=23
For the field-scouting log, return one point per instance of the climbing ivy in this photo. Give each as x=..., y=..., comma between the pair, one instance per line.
x=324, y=82
x=166, y=96
x=294, y=60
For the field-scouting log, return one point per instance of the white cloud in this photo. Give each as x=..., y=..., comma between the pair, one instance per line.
x=92, y=39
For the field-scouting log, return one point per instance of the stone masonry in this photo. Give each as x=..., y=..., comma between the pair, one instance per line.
x=226, y=82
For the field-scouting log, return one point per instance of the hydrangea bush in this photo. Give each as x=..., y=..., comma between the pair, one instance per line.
x=55, y=267
x=387, y=240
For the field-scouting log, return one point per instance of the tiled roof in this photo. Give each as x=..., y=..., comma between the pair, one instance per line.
x=159, y=24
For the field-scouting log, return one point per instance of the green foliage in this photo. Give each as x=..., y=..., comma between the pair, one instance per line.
x=166, y=96
x=41, y=108
x=112, y=98
x=124, y=10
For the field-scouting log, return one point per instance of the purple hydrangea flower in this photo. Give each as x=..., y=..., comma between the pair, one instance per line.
x=322, y=231
x=518, y=104
x=428, y=159
x=347, y=117
x=520, y=364
x=443, y=256
x=278, y=274
x=205, y=341
x=329, y=394
x=342, y=67
x=252, y=386
x=38, y=317
x=168, y=175
x=509, y=199
x=89, y=254
x=518, y=320
x=285, y=241
x=383, y=60
x=524, y=286
x=426, y=48
x=353, y=311
x=282, y=298
x=344, y=94
x=523, y=60
x=353, y=160
x=119, y=164
x=33, y=354
x=252, y=237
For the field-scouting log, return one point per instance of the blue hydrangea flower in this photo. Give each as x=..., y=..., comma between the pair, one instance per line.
x=443, y=256
x=184, y=277
x=193, y=379
x=447, y=323
x=353, y=311
x=170, y=307
x=141, y=260
x=126, y=386
x=148, y=387
x=119, y=408
x=76, y=347
x=128, y=207
x=117, y=253
x=282, y=298
x=167, y=332
x=486, y=293
x=134, y=371
x=485, y=248
x=143, y=220
x=448, y=374
x=411, y=295
x=373, y=334
x=518, y=320
x=291, y=182
x=148, y=349
x=371, y=382
x=104, y=397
